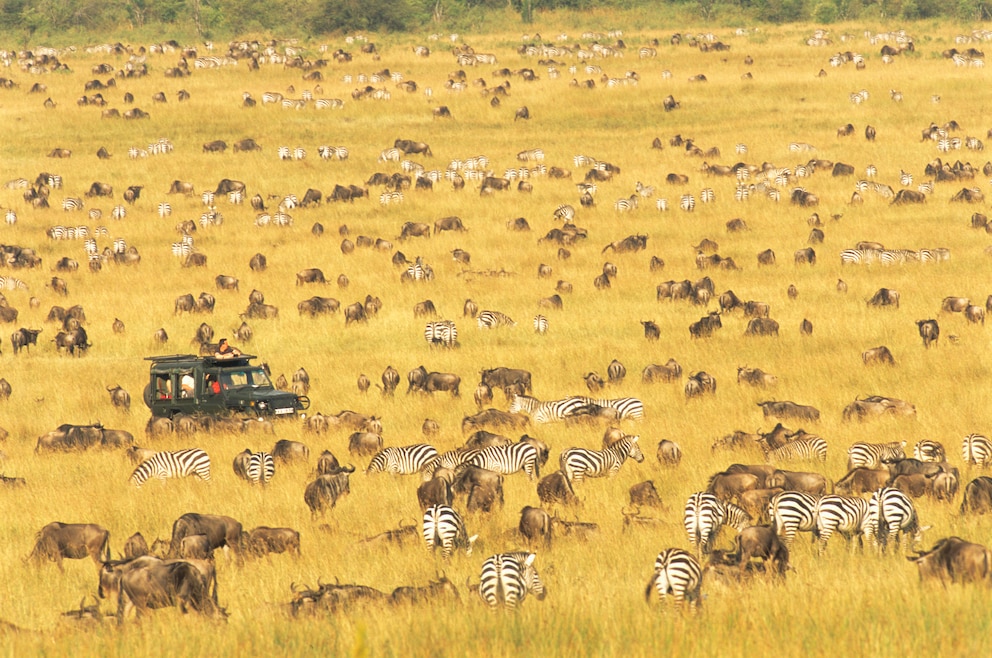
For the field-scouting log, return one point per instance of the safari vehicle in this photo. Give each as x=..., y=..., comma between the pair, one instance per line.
x=189, y=384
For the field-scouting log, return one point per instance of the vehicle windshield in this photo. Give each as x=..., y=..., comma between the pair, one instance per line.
x=253, y=377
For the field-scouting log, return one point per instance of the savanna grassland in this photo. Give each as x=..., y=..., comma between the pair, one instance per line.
x=843, y=603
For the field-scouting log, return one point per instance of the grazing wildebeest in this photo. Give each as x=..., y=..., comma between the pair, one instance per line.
x=669, y=103
x=805, y=256
x=762, y=542
x=264, y=540
x=885, y=297
x=535, y=525
x=669, y=453
x=906, y=196
x=448, y=224
x=699, y=383
x=72, y=541
x=645, y=493
x=221, y=531
x=651, y=330
x=501, y=377
x=669, y=372
x=761, y=327
x=181, y=187
x=555, y=489
x=484, y=488
x=753, y=309
x=226, y=186
x=135, y=546
x=755, y=377
x=494, y=419
x=365, y=443
x=120, y=398
x=225, y=282
x=811, y=483
x=159, y=584
x=310, y=275
x=862, y=480
x=786, y=410
x=977, y=497
x=955, y=560
x=929, y=331
x=880, y=354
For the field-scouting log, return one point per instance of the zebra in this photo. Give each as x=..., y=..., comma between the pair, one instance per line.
x=871, y=171
x=271, y=97
x=10, y=217
x=120, y=245
x=451, y=459
x=934, y=255
x=403, y=460
x=565, y=213
x=579, y=463
x=645, y=191
x=207, y=198
x=706, y=195
x=846, y=514
x=800, y=449
x=10, y=283
x=181, y=463
x=874, y=455
x=387, y=198
x=329, y=104
x=261, y=467
x=507, y=460
x=119, y=212
x=704, y=516
x=493, y=319
x=389, y=155
x=891, y=512
x=164, y=209
x=631, y=408
x=299, y=153
x=531, y=155
x=792, y=512
x=284, y=153
x=72, y=204
x=926, y=188
x=420, y=271
x=540, y=324
x=905, y=178
x=687, y=203
x=928, y=450
x=976, y=449
x=236, y=197
x=444, y=527
x=859, y=256
x=442, y=333
x=678, y=573
x=508, y=578
x=626, y=204
x=545, y=412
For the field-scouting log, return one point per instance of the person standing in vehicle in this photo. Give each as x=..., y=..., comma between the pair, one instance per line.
x=225, y=351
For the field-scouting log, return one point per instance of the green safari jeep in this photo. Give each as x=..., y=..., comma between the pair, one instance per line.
x=189, y=384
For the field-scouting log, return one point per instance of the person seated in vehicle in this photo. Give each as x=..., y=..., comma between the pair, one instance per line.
x=163, y=387
x=186, y=386
x=225, y=350
x=211, y=385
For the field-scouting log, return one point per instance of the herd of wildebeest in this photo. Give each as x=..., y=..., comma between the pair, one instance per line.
x=180, y=571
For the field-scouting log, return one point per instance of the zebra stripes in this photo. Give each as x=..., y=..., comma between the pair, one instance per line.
x=181, y=463
x=444, y=528
x=687, y=203
x=545, y=412
x=977, y=450
x=678, y=573
x=389, y=155
x=844, y=514
x=706, y=195
x=891, y=515
x=871, y=455
x=332, y=152
x=814, y=448
x=540, y=324
x=704, y=516
x=506, y=460
x=329, y=104
x=10, y=217
x=261, y=467
x=565, y=213
x=420, y=271
x=928, y=450
x=626, y=205
x=387, y=198
x=579, y=463
x=508, y=578
x=164, y=210
x=443, y=333
x=792, y=512
x=119, y=212
x=10, y=283
x=72, y=204
x=626, y=408
x=494, y=319
x=60, y=232
x=404, y=460
x=531, y=155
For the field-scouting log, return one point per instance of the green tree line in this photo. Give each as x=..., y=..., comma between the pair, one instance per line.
x=231, y=18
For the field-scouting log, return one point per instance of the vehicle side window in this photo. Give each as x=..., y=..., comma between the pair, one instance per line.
x=163, y=387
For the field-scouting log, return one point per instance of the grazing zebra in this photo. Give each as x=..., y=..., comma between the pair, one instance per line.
x=928, y=450
x=95, y=214
x=387, y=198
x=626, y=205
x=403, y=460
x=905, y=178
x=662, y=205
x=506, y=460
x=164, y=209
x=236, y=197
x=451, y=459
x=531, y=155
x=493, y=319
x=180, y=463
x=687, y=203
x=207, y=198
x=976, y=449
x=389, y=155
x=284, y=153
x=565, y=213
x=299, y=153
x=579, y=463
x=645, y=191
x=676, y=572
x=872, y=455
x=792, y=512
x=846, y=514
x=261, y=467
x=444, y=528
x=442, y=333
x=800, y=449
x=120, y=245
x=10, y=283
x=55, y=182
x=10, y=217
x=119, y=212
x=508, y=578
x=703, y=518
x=706, y=195
x=329, y=104
x=72, y=204
x=631, y=408
x=545, y=412
x=891, y=512
x=540, y=324
x=926, y=188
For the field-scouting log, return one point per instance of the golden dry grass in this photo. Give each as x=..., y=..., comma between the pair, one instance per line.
x=846, y=603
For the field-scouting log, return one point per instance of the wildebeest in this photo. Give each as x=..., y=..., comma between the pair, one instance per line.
x=761, y=327
x=876, y=406
x=669, y=103
x=755, y=377
x=880, y=354
x=555, y=489
x=753, y=309
x=929, y=331
x=120, y=398
x=906, y=196
x=699, y=383
x=789, y=410
x=977, y=497
x=884, y=297
x=805, y=256
x=264, y=540
x=651, y=330
x=862, y=480
x=448, y=224
x=494, y=419
x=72, y=541
x=669, y=372
x=762, y=542
x=24, y=338
x=310, y=275
x=483, y=488
x=502, y=377
x=324, y=491
x=812, y=483
x=135, y=546
x=409, y=146
x=669, y=453
x=955, y=560
x=645, y=493
x=535, y=525
x=220, y=531
x=148, y=583
x=729, y=486
x=286, y=451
